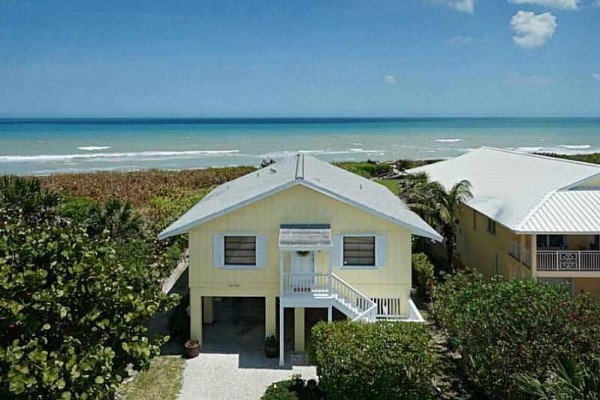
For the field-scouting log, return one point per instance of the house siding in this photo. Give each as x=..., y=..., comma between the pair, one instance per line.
x=477, y=248
x=298, y=205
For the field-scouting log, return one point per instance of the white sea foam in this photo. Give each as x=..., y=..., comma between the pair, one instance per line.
x=289, y=153
x=575, y=146
x=448, y=140
x=108, y=156
x=94, y=148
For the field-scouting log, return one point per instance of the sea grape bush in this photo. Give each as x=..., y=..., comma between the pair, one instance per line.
x=423, y=275
x=73, y=316
x=383, y=360
x=508, y=329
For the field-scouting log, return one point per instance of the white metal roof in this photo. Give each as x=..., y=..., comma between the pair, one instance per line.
x=567, y=211
x=513, y=188
x=313, y=173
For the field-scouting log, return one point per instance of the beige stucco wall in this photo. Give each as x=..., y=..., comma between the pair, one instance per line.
x=298, y=205
x=591, y=285
x=477, y=248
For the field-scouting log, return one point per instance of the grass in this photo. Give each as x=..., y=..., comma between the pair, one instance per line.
x=162, y=381
x=391, y=184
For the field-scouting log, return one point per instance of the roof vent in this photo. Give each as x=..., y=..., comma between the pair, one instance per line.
x=360, y=186
x=273, y=169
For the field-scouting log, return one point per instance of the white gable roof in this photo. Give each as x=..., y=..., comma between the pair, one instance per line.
x=311, y=172
x=517, y=189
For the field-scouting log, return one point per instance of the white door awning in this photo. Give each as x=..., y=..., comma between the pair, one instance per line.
x=305, y=237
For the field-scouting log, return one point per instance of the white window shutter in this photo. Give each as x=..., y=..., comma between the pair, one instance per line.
x=380, y=251
x=261, y=251
x=338, y=250
x=218, y=251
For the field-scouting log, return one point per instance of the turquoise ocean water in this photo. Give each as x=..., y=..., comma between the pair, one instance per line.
x=55, y=146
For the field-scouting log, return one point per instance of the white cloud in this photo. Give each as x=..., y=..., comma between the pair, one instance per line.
x=460, y=40
x=389, y=79
x=561, y=4
x=596, y=76
x=532, y=30
x=467, y=6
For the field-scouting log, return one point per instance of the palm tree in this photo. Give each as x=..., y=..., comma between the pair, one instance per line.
x=116, y=217
x=439, y=206
x=571, y=380
x=27, y=195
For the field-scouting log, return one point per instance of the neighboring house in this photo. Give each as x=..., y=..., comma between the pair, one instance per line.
x=530, y=215
x=301, y=233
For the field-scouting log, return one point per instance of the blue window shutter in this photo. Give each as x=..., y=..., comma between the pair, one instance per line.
x=380, y=251
x=218, y=251
x=338, y=251
x=261, y=251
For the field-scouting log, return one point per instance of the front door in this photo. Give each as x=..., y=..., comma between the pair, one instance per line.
x=303, y=268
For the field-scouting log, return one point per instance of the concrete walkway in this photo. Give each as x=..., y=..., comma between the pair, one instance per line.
x=237, y=375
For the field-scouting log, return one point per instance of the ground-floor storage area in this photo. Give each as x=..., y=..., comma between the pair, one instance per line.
x=232, y=324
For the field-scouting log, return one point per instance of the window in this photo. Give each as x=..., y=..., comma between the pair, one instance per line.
x=240, y=250
x=491, y=228
x=550, y=241
x=359, y=251
x=474, y=220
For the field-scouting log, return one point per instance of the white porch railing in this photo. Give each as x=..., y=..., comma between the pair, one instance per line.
x=367, y=308
x=305, y=283
x=568, y=260
x=345, y=295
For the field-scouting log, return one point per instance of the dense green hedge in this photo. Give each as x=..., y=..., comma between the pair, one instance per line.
x=293, y=389
x=384, y=360
x=505, y=329
x=422, y=275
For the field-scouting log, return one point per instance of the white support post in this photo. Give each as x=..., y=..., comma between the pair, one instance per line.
x=329, y=314
x=281, y=273
x=281, y=336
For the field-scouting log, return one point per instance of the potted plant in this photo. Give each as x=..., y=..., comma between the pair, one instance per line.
x=271, y=347
x=191, y=349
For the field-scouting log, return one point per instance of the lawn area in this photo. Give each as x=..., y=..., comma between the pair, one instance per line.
x=391, y=184
x=161, y=382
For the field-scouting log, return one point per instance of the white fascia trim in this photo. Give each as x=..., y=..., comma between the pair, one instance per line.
x=417, y=231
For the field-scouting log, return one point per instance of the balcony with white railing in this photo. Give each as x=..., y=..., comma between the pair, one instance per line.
x=568, y=261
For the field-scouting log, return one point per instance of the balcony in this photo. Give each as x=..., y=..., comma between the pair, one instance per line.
x=568, y=261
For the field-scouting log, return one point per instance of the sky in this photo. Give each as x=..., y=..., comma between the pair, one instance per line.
x=309, y=58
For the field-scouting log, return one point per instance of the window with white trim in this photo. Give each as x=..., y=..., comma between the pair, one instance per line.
x=239, y=250
x=359, y=251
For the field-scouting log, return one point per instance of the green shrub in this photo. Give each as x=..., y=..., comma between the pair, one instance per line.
x=503, y=329
x=280, y=391
x=77, y=208
x=383, y=360
x=365, y=169
x=293, y=389
x=423, y=275
x=73, y=319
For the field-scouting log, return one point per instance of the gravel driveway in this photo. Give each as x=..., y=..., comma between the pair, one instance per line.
x=236, y=376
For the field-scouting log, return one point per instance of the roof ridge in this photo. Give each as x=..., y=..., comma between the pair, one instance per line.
x=535, y=209
x=544, y=157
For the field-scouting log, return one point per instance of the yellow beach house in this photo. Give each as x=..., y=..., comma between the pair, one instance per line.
x=530, y=215
x=300, y=234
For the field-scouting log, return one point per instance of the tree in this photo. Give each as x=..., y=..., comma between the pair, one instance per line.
x=73, y=319
x=571, y=381
x=116, y=217
x=439, y=206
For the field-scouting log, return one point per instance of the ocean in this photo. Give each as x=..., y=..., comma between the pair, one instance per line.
x=50, y=146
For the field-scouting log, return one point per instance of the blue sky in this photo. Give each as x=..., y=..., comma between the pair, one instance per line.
x=282, y=58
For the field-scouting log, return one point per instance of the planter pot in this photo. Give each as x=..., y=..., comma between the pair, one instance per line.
x=191, y=349
x=272, y=351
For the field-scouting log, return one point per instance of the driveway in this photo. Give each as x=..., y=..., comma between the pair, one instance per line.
x=235, y=376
